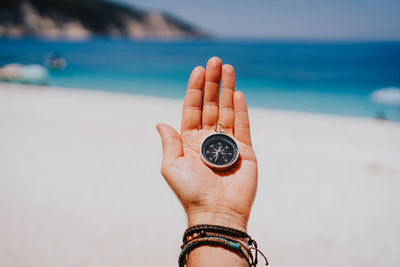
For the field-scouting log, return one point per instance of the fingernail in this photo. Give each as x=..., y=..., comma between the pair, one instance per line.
x=228, y=68
x=238, y=95
x=215, y=60
x=197, y=71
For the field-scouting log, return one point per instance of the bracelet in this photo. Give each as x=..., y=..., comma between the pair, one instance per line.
x=215, y=241
x=217, y=235
x=248, y=256
x=201, y=228
x=245, y=249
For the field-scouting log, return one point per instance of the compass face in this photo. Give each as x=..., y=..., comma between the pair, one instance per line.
x=219, y=151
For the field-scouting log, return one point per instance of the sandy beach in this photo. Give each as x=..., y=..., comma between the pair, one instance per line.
x=80, y=184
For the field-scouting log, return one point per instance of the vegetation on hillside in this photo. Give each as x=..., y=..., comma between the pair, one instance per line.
x=99, y=17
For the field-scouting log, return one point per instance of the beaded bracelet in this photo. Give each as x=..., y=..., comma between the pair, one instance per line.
x=244, y=248
x=215, y=229
x=218, y=241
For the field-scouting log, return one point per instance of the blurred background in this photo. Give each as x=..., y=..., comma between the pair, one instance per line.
x=84, y=82
x=314, y=56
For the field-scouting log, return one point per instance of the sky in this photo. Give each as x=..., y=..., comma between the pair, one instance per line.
x=287, y=19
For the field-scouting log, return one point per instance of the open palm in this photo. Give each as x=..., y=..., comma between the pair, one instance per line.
x=209, y=196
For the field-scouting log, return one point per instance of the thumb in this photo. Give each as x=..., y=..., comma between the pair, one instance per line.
x=171, y=142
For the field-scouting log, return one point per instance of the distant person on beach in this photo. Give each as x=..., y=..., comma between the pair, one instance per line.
x=210, y=197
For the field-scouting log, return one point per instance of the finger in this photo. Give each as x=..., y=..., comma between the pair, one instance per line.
x=211, y=93
x=242, y=125
x=171, y=142
x=226, y=114
x=192, y=105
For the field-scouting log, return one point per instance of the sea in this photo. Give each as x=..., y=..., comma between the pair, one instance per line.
x=309, y=76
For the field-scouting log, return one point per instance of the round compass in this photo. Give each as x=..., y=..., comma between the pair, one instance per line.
x=219, y=151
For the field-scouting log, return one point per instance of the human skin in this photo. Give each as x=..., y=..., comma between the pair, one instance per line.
x=209, y=196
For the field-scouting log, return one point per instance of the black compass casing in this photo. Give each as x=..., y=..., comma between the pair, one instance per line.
x=219, y=151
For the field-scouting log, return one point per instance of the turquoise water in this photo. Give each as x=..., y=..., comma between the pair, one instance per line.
x=320, y=77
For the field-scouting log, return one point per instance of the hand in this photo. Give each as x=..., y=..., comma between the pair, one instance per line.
x=209, y=196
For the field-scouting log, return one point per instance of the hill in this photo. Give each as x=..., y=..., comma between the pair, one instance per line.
x=81, y=19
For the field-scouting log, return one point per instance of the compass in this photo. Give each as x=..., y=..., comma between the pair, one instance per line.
x=219, y=151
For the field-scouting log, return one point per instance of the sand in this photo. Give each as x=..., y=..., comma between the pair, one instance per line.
x=80, y=184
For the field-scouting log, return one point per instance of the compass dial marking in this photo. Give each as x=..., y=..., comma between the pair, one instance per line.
x=219, y=151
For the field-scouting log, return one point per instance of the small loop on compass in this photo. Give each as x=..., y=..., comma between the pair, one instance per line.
x=217, y=128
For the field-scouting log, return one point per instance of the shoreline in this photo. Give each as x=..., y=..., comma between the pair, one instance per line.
x=80, y=183
x=11, y=86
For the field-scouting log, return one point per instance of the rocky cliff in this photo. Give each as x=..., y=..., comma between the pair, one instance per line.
x=82, y=19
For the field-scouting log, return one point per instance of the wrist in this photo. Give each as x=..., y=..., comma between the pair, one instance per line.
x=227, y=219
